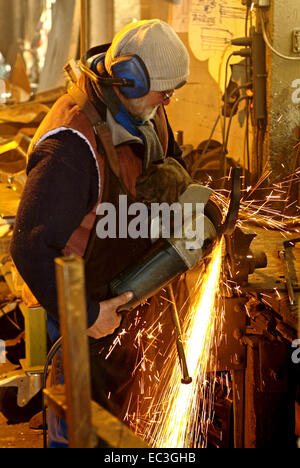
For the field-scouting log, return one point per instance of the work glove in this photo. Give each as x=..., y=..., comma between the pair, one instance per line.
x=162, y=182
x=108, y=319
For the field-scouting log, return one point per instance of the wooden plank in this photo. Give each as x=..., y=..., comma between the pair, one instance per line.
x=111, y=432
x=238, y=389
x=55, y=399
x=73, y=323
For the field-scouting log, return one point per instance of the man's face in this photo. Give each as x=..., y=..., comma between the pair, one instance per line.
x=145, y=107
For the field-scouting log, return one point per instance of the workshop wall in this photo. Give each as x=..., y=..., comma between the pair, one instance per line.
x=196, y=106
x=282, y=23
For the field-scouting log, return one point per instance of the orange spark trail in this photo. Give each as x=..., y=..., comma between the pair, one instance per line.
x=180, y=414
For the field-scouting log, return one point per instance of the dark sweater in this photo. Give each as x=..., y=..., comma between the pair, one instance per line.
x=61, y=188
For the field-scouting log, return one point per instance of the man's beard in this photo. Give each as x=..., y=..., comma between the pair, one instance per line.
x=136, y=108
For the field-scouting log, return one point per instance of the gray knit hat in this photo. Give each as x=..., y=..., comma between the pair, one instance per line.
x=160, y=48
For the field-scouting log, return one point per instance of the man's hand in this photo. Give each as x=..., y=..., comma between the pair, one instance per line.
x=108, y=319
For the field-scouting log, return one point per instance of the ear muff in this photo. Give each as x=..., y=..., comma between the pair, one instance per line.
x=131, y=67
x=129, y=72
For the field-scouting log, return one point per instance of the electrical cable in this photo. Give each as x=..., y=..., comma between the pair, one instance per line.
x=225, y=98
x=228, y=132
x=210, y=137
x=219, y=82
x=223, y=121
x=247, y=36
x=248, y=21
x=235, y=106
x=259, y=142
x=50, y=356
x=206, y=146
x=243, y=53
x=247, y=137
x=215, y=126
x=268, y=43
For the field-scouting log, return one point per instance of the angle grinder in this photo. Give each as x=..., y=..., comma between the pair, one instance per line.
x=170, y=257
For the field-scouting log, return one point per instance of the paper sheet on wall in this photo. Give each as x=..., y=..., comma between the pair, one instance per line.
x=212, y=25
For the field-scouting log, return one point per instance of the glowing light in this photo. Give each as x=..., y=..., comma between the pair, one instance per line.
x=178, y=405
x=177, y=415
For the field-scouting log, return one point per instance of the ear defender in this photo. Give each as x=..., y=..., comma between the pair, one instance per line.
x=128, y=72
x=131, y=67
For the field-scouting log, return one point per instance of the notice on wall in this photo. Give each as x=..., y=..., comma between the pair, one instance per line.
x=212, y=25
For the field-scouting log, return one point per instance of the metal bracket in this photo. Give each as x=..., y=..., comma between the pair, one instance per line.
x=28, y=384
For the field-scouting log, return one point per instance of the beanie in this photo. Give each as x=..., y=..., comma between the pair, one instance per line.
x=162, y=51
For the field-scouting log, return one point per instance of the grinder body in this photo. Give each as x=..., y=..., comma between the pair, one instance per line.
x=169, y=258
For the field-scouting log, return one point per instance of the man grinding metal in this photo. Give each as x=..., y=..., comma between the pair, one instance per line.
x=71, y=171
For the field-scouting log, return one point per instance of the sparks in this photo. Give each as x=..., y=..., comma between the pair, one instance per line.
x=180, y=421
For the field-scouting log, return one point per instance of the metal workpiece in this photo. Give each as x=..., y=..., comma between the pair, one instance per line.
x=243, y=261
x=186, y=378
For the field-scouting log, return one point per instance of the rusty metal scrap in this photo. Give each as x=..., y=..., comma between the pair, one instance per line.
x=266, y=322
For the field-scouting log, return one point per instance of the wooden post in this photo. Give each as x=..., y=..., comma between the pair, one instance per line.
x=73, y=323
x=238, y=389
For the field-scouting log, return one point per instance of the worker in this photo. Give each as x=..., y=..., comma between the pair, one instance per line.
x=70, y=173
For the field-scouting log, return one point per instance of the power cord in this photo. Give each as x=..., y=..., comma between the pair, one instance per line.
x=268, y=43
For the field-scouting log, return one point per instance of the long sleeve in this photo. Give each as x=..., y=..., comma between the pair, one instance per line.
x=61, y=188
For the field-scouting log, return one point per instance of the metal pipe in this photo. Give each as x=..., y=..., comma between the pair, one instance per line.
x=186, y=379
